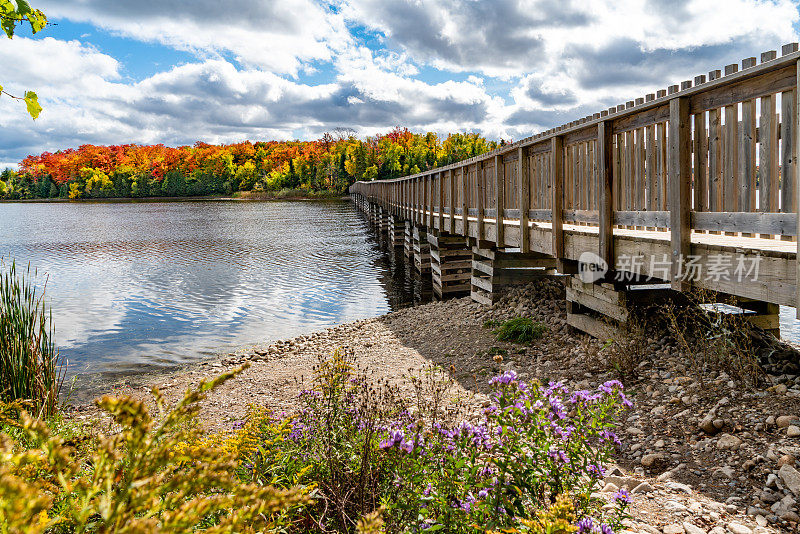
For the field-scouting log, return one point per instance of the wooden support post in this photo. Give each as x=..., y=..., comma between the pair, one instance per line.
x=430, y=200
x=441, y=201
x=557, y=168
x=680, y=167
x=464, y=201
x=796, y=121
x=605, y=148
x=480, y=188
x=499, y=191
x=524, y=200
x=452, y=205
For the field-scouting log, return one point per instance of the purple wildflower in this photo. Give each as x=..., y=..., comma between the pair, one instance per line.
x=622, y=496
x=506, y=378
x=585, y=525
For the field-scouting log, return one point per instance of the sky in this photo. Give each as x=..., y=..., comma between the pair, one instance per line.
x=181, y=71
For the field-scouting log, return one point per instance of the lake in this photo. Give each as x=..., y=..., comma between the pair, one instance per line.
x=140, y=285
x=137, y=286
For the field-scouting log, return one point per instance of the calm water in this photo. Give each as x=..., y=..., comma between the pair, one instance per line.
x=136, y=285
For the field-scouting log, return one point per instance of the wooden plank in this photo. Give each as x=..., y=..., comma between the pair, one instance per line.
x=661, y=160
x=733, y=93
x=747, y=159
x=500, y=196
x=441, y=200
x=746, y=222
x=796, y=139
x=590, y=301
x=480, y=189
x=524, y=199
x=464, y=201
x=591, y=326
x=557, y=174
x=653, y=219
x=730, y=161
x=788, y=151
x=431, y=197
x=679, y=187
x=768, y=185
x=605, y=147
x=700, y=163
x=452, y=204
x=638, y=120
x=714, y=161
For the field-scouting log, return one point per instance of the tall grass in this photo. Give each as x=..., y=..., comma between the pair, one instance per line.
x=29, y=363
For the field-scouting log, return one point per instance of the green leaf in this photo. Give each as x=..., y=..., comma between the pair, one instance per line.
x=37, y=19
x=23, y=8
x=32, y=103
x=8, y=26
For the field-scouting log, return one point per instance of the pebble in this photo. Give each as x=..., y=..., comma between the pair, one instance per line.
x=673, y=529
x=691, y=528
x=644, y=487
x=738, y=528
x=792, y=431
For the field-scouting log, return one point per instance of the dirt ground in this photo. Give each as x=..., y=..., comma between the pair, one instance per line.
x=685, y=479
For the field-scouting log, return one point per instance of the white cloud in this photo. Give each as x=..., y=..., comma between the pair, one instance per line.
x=527, y=65
x=276, y=36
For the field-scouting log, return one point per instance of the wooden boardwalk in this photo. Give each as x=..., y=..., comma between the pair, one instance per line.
x=695, y=177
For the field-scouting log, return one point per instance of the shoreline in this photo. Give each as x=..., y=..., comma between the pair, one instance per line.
x=132, y=200
x=683, y=472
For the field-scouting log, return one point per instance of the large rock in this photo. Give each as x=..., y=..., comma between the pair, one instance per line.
x=791, y=478
x=728, y=441
x=785, y=420
x=650, y=460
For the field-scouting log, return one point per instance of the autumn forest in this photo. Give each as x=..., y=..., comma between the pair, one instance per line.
x=296, y=168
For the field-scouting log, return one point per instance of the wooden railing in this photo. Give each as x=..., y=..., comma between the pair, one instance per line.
x=716, y=155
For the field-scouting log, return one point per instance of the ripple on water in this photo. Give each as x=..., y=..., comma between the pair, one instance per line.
x=134, y=284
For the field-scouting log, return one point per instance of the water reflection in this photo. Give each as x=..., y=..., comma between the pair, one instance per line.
x=163, y=283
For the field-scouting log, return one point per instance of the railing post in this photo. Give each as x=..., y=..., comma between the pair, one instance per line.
x=605, y=150
x=524, y=200
x=452, y=205
x=499, y=191
x=464, y=201
x=430, y=200
x=480, y=184
x=441, y=201
x=796, y=120
x=557, y=168
x=680, y=168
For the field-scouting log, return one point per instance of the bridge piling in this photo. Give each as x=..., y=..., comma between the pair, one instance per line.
x=421, y=249
x=451, y=264
x=494, y=269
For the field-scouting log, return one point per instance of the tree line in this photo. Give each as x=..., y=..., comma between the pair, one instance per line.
x=329, y=164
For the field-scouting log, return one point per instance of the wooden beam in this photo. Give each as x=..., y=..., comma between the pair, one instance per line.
x=524, y=200
x=452, y=206
x=499, y=202
x=680, y=167
x=605, y=149
x=557, y=169
x=480, y=189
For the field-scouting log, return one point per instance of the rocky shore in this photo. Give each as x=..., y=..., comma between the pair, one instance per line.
x=700, y=454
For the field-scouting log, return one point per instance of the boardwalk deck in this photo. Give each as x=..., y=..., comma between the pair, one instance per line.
x=693, y=185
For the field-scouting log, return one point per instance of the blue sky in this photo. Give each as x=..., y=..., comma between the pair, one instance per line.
x=175, y=72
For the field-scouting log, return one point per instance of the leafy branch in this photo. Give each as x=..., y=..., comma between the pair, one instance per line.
x=11, y=14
